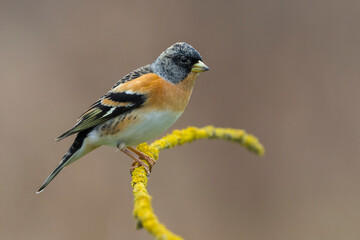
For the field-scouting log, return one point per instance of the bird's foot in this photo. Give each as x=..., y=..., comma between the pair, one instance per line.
x=150, y=161
x=138, y=159
x=136, y=163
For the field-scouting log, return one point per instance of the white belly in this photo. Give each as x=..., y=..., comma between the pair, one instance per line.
x=149, y=126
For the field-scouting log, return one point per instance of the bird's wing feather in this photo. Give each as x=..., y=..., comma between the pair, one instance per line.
x=112, y=104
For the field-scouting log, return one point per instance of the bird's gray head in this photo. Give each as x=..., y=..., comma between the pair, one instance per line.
x=176, y=62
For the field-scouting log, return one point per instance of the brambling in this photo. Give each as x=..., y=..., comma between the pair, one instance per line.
x=140, y=106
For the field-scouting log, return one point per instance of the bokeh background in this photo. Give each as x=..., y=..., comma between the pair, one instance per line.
x=286, y=71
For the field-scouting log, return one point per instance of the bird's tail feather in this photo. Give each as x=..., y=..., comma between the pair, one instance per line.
x=64, y=161
x=76, y=151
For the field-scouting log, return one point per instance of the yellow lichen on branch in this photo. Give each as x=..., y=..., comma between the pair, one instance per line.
x=143, y=211
x=142, y=207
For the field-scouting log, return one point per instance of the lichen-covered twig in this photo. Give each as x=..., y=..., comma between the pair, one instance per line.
x=143, y=211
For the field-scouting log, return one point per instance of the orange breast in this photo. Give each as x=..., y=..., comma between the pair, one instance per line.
x=163, y=95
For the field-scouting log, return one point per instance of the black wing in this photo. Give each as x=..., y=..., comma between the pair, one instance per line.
x=111, y=105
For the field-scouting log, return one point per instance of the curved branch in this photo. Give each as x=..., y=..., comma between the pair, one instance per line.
x=143, y=211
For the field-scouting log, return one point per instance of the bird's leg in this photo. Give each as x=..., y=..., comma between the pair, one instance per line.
x=136, y=161
x=143, y=156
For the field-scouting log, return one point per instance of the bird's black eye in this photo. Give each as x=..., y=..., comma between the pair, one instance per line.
x=184, y=60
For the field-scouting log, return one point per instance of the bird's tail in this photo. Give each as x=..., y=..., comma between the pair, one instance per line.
x=76, y=151
x=60, y=167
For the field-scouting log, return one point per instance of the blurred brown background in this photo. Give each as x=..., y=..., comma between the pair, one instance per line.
x=286, y=71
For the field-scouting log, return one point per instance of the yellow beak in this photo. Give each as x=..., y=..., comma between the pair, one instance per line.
x=200, y=67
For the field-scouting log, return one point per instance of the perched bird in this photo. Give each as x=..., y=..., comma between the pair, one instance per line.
x=139, y=107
